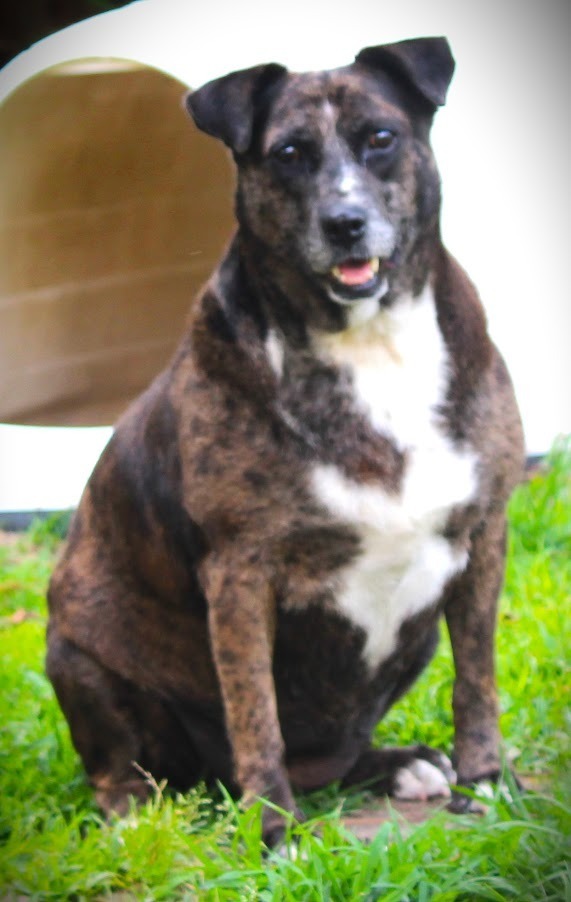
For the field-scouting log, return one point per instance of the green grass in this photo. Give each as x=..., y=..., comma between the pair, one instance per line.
x=53, y=844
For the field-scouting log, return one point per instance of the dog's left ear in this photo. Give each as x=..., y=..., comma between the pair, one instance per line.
x=426, y=63
x=226, y=107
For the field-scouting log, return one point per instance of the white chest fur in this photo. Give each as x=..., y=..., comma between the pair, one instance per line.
x=398, y=363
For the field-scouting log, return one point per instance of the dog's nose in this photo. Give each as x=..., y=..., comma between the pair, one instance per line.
x=344, y=225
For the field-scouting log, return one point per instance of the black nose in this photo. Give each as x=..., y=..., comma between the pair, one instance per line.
x=344, y=225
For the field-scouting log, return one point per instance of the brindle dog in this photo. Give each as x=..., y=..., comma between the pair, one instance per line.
x=259, y=562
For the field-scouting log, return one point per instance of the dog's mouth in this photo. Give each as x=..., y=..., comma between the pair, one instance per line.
x=356, y=273
x=356, y=278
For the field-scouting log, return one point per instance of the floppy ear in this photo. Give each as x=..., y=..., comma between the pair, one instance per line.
x=426, y=63
x=225, y=108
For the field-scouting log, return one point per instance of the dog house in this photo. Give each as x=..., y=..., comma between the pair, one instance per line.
x=108, y=228
x=113, y=209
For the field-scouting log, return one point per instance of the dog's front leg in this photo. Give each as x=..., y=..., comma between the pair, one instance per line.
x=242, y=622
x=471, y=619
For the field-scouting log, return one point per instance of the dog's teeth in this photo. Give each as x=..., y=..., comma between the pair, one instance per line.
x=355, y=273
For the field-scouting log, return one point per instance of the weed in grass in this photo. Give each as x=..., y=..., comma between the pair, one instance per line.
x=54, y=845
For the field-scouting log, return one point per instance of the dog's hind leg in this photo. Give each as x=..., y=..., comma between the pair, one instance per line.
x=412, y=772
x=117, y=728
x=103, y=729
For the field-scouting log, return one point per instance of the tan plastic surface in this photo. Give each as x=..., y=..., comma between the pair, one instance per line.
x=113, y=212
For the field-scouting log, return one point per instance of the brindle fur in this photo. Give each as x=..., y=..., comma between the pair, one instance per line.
x=193, y=626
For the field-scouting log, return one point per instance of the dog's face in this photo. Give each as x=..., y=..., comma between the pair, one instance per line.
x=336, y=179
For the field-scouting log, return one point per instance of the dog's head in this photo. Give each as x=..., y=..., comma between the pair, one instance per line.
x=336, y=178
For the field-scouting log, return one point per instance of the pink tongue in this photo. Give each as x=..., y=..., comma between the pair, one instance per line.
x=355, y=273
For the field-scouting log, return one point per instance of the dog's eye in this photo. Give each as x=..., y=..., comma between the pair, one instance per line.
x=384, y=139
x=288, y=154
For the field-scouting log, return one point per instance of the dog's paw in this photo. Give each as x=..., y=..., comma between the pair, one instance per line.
x=115, y=800
x=419, y=781
x=481, y=793
x=426, y=777
x=289, y=850
x=275, y=832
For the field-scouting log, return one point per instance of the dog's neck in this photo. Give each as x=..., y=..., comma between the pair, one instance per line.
x=289, y=300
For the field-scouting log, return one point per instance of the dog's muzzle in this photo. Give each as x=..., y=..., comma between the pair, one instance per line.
x=355, y=272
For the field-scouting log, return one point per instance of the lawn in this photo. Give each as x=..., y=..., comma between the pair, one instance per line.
x=54, y=845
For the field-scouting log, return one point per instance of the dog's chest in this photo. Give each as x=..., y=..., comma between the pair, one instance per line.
x=398, y=364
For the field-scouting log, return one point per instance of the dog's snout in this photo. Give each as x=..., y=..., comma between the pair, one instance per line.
x=344, y=225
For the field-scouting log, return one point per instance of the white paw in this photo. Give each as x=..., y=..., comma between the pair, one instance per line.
x=421, y=780
x=485, y=792
x=289, y=850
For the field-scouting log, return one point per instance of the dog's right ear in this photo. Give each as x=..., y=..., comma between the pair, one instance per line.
x=226, y=107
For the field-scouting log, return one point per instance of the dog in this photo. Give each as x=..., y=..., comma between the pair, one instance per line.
x=258, y=565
